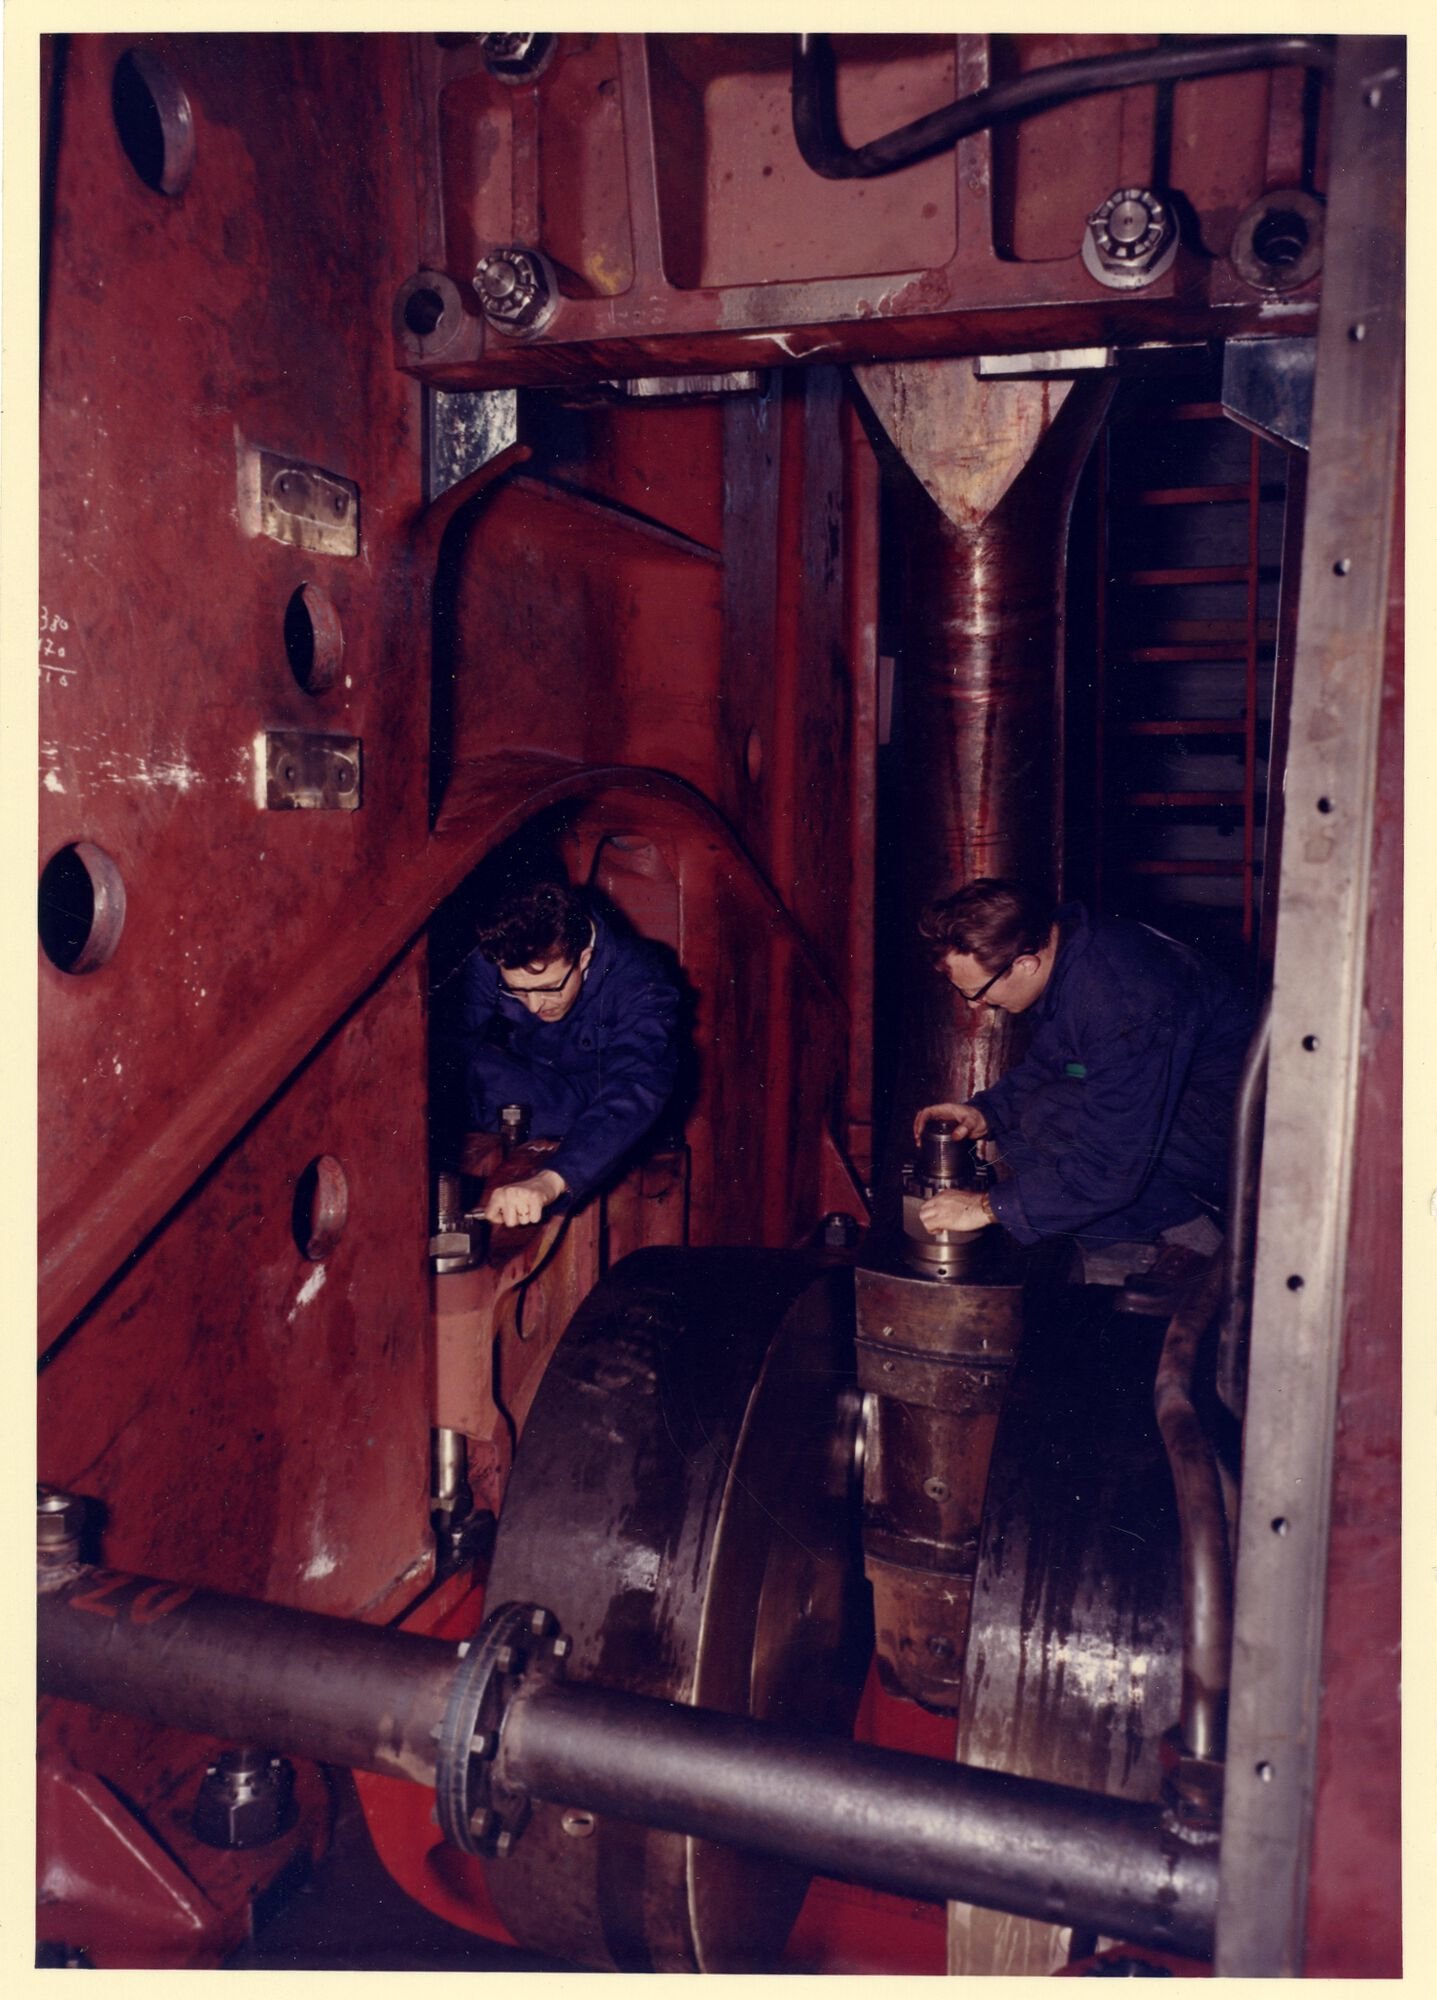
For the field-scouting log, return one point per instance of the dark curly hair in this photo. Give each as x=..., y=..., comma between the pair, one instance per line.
x=536, y=925
x=991, y=920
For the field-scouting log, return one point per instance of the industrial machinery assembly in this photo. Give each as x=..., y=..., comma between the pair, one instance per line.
x=769, y=479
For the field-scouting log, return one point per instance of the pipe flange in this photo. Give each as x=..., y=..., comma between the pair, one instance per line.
x=1130, y=240
x=518, y=289
x=476, y=1810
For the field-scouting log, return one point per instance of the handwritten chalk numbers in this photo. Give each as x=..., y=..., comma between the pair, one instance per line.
x=52, y=645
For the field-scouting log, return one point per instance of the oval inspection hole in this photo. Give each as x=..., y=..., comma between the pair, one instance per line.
x=313, y=638
x=82, y=908
x=423, y=311
x=153, y=119
x=321, y=1207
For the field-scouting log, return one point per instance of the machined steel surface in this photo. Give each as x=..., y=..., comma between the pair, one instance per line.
x=682, y=1502
x=1315, y=1071
x=1073, y=1672
x=910, y=1824
x=934, y=1363
x=1131, y=239
x=944, y=1163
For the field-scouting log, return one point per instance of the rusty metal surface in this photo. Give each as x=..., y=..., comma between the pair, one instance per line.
x=682, y=1497
x=693, y=236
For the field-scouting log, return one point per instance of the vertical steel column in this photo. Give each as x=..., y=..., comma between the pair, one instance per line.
x=1300, y=1290
x=983, y=646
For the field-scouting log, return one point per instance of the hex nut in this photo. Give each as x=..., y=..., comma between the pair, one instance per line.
x=518, y=289
x=1130, y=239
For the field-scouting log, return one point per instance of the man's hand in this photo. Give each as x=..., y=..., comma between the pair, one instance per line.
x=524, y=1201
x=968, y=1120
x=956, y=1210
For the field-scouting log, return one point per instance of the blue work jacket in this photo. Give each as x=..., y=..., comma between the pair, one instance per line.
x=1153, y=1037
x=597, y=1079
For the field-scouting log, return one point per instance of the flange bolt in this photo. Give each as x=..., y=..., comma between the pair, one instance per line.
x=517, y=289
x=1131, y=239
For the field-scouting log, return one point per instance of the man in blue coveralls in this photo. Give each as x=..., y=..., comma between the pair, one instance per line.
x=1115, y=1125
x=562, y=1012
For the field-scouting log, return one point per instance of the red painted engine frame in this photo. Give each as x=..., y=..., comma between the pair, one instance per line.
x=663, y=620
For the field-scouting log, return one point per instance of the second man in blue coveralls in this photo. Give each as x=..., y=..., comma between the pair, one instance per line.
x=562, y=1012
x=1115, y=1126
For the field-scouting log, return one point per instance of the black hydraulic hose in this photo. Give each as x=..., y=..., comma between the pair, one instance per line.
x=821, y=142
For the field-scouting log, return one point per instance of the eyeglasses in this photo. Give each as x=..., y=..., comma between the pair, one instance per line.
x=974, y=998
x=537, y=992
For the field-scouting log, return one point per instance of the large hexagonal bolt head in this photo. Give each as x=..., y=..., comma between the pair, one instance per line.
x=517, y=289
x=516, y=58
x=1131, y=240
x=59, y=1522
x=246, y=1798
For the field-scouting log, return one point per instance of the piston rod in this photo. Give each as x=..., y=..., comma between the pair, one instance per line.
x=376, y=1699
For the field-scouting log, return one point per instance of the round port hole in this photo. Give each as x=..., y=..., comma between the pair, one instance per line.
x=154, y=122
x=423, y=311
x=313, y=638
x=321, y=1207
x=82, y=908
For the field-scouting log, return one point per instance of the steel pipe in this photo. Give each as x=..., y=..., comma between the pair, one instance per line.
x=911, y=1825
x=820, y=138
x=1206, y=1558
x=374, y=1699
x=311, y=1686
x=1241, y=1242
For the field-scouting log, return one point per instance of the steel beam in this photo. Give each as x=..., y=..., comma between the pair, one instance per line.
x=1299, y=1298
